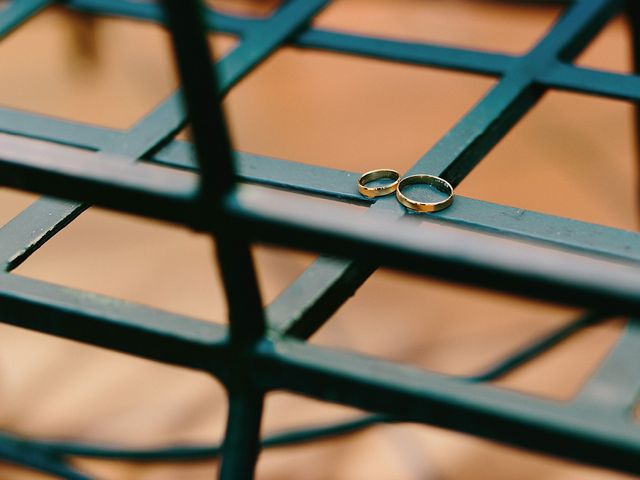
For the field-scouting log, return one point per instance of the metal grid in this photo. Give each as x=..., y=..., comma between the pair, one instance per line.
x=590, y=266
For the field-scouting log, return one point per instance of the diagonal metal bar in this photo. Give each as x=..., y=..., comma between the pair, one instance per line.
x=150, y=132
x=415, y=395
x=537, y=347
x=614, y=388
x=462, y=148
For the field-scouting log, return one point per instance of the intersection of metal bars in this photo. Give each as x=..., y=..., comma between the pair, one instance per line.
x=207, y=186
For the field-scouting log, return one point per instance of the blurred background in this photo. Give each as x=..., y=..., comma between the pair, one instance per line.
x=572, y=155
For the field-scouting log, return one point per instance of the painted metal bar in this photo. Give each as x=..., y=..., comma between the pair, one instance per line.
x=19, y=11
x=315, y=296
x=216, y=165
x=482, y=128
x=187, y=453
x=537, y=347
x=563, y=76
x=213, y=151
x=110, y=323
x=385, y=49
x=57, y=130
x=594, y=82
x=154, y=129
x=414, y=53
x=78, y=174
x=264, y=37
x=633, y=19
x=614, y=388
x=31, y=228
x=436, y=250
x=168, y=194
x=338, y=184
x=590, y=238
x=455, y=155
x=22, y=455
x=466, y=212
x=415, y=395
x=241, y=446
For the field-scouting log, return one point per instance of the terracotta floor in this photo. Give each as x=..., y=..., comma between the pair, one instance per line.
x=571, y=156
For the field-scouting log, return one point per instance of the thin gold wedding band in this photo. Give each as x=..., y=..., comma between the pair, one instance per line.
x=377, y=175
x=437, y=182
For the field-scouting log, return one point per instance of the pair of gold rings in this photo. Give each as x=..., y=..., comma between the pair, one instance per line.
x=398, y=185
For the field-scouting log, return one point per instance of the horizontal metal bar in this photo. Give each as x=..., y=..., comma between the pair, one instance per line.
x=614, y=388
x=436, y=250
x=418, y=396
x=476, y=214
x=155, y=128
x=57, y=130
x=273, y=172
x=402, y=51
x=341, y=185
x=109, y=323
x=112, y=181
x=590, y=81
x=418, y=53
x=167, y=194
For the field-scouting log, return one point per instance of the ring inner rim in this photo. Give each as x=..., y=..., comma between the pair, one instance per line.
x=369, y=177
x=439, y=183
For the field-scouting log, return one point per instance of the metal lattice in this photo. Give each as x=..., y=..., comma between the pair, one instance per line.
x=593, y=267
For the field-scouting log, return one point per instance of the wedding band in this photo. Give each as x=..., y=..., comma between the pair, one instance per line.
x=439, y=183
x=382, y=189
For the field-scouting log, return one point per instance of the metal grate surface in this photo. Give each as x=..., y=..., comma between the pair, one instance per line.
x=208, y=187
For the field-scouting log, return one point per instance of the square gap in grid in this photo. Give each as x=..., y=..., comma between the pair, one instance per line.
x=510, y=27
x=458, y=330
x=91, y=69
x=346, y=112
x=572, y=155
x=611, y=49
x=151, y=263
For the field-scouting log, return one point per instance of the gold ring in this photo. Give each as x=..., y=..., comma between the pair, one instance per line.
x=376, y=175
x=437, y=182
